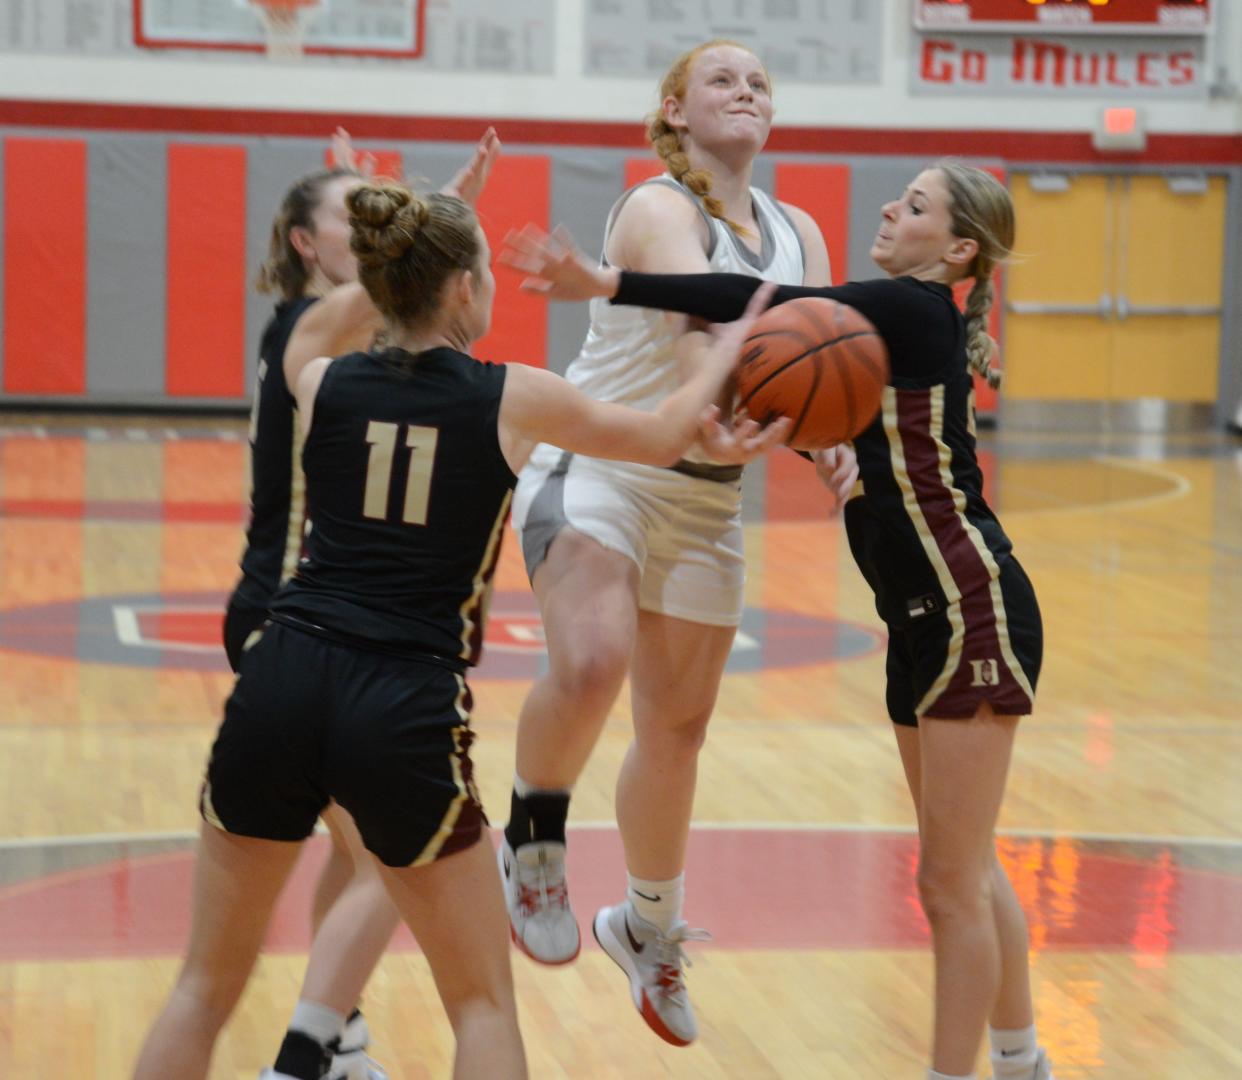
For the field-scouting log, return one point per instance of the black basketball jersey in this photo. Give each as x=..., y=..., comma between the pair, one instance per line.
x=274, y=535
x=921, y=533
x=408, y=493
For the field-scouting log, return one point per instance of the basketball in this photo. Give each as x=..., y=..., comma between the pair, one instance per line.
x=818, y=362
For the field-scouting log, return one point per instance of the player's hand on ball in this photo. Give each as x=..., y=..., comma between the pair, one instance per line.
x=741, y=443
x=837, y=467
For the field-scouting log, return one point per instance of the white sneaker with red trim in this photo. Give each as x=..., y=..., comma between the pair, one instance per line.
x=541, y=922
x=654, y=963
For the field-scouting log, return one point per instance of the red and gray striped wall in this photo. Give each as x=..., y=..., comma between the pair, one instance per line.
x=126, y=259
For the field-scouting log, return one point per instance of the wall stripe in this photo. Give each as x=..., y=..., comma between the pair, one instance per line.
x=823, y=191
x=638, y=169
x=2, y=143
x=45, y=266
x=519, y=191
x=1039, y=146
x=205, y=341
x=125, y=331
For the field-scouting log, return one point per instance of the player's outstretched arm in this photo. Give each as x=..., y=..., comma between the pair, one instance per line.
x=539, y=406
x=471, y=179
x=343, y=321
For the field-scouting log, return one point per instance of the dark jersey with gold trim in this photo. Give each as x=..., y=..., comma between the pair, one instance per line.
x=408, y=493
x=920, y=530
x=274, y=533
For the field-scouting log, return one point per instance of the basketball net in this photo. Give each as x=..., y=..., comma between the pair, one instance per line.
x=285, y=24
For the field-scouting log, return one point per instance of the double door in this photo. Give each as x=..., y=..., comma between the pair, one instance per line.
x=1114, y=293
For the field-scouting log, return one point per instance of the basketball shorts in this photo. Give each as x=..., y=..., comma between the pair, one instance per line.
x=684, y=533
x=987, y=647
x=385, y=736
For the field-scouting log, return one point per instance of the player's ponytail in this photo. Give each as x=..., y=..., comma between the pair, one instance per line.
x=284, y=271
x=408, y=246
x=981, y=210
x=667, y=143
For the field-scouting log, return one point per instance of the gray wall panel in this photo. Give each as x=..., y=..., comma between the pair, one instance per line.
x=272, y=165
x=126, y=249
x=2, y=174
x=873, y=182
x=585, y=184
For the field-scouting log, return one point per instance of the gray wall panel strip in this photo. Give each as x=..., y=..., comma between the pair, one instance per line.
x=126, y=210
x=2, y=176
x=585, y=184
x=873, y=182
x=272, y=166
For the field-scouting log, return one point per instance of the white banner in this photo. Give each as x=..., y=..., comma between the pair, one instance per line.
x=1037, y=66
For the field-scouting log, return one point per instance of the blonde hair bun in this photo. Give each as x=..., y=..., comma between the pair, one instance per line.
x=385, y=219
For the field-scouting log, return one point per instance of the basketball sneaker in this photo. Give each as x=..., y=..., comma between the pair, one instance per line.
x=654, y=962
x=541, y=922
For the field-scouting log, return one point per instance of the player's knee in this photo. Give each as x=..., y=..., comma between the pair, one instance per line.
x=672, y=735
x=592, y=666
x=480, y=1007
x=950, y=893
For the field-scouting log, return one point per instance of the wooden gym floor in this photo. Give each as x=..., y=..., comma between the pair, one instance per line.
x=1122, y=828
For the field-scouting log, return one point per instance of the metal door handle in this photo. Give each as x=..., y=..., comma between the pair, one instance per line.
x=1103, y=308
x=1125, y=309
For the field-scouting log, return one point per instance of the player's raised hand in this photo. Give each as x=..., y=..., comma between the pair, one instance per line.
x=471, y=178
x=554, y=266
x=344, y=155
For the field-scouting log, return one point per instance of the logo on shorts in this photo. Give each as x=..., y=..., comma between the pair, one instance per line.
x=987, y=673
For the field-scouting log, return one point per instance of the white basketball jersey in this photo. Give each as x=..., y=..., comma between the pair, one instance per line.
x=628, y=354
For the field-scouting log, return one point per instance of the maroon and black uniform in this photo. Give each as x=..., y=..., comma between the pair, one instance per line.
x=274, y=535
x=355, y=691
x=964, y=624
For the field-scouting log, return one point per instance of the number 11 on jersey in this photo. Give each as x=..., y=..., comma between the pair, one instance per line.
x=382, y=437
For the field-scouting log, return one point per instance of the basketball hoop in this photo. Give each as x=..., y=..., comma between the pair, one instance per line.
x=284, y=22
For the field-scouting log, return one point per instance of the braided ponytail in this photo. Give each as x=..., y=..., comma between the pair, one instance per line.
x=981, y=210
x=667, y=143
x=978, y=343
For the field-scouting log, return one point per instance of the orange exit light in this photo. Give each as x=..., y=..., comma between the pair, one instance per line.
x=1120, y=121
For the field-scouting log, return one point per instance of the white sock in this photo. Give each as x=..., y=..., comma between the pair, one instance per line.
x=933, y=1075
x=318, y=1021
x=521, y=788
x=1014, y=1052
x=659, y=902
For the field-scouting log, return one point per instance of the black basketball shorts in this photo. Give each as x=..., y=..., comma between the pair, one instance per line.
x=987, y=647
x=387, y=737
x=240, y=621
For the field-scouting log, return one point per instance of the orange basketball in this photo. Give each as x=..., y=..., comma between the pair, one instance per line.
x=818, y=362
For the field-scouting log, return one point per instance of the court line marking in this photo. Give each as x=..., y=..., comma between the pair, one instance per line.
x=707, y=826
x=1181, y=487
x=128, y=632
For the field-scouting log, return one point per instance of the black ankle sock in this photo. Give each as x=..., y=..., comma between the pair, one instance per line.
x=303, y=1057
x=538, y=816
